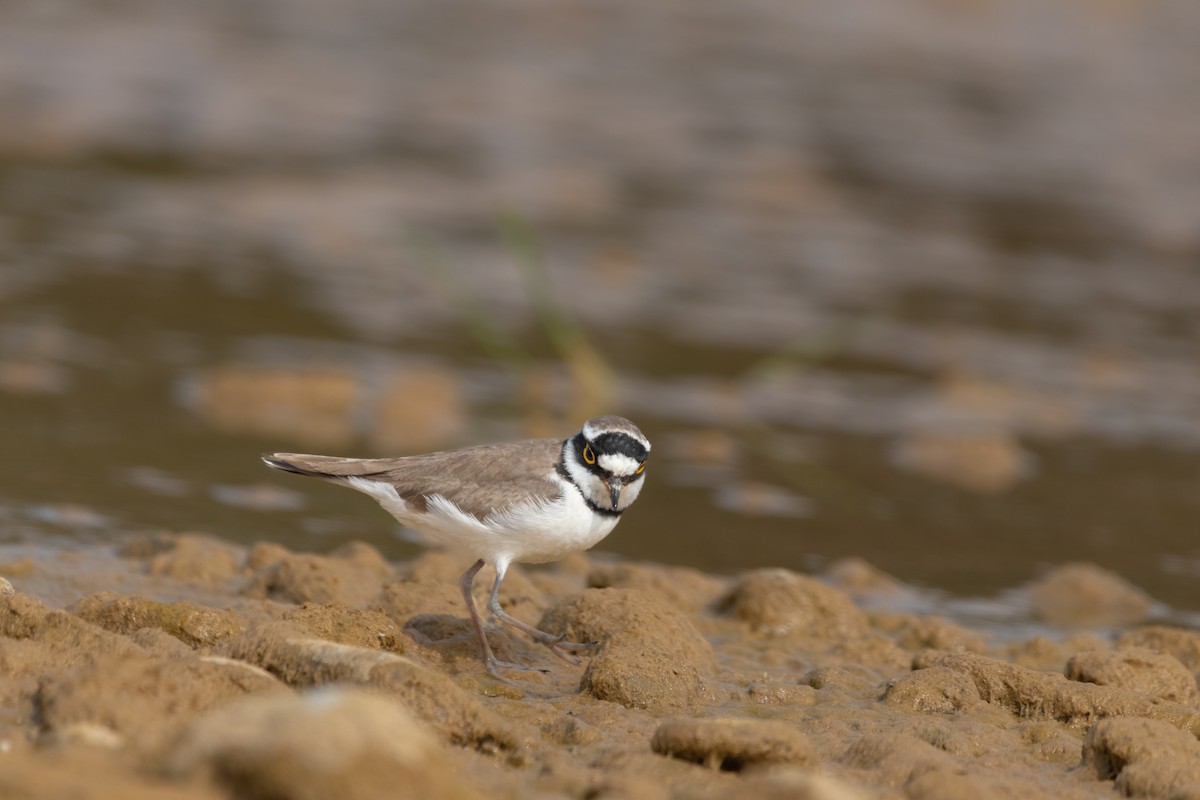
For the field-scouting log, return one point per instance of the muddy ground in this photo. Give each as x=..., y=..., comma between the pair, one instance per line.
x=181, y=666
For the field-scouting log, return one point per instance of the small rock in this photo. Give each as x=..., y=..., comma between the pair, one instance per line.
x=1085, y=595
x=778, y=602
x=1154, y=674
x=732, y=744
x=6, y=588
x=339, y=742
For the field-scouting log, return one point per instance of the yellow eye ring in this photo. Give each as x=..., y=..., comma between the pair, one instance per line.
x=641, y=468
x=588, y=455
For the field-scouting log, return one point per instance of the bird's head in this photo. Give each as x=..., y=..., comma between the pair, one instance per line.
x=607, y=460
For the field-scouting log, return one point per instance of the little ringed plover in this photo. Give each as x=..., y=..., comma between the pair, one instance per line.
x=530, y=501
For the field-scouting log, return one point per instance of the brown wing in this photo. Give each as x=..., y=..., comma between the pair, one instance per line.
x=478, y=480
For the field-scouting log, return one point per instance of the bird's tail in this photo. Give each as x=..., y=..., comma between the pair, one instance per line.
x=329, y=467
x=295, y=463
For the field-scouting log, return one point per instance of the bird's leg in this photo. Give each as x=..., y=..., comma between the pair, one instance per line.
x=490, y=662
x=557, y=644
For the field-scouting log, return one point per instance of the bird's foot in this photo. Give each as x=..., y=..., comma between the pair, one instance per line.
x=564, y=649
x=495, y=665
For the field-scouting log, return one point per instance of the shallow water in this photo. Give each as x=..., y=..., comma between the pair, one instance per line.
x=884, y=294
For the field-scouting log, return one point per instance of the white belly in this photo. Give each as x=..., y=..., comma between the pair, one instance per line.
x=529, y=532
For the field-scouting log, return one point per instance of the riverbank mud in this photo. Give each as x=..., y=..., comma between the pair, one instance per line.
x=180, y=666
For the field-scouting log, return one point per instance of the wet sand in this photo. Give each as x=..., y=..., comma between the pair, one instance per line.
x=182, y=666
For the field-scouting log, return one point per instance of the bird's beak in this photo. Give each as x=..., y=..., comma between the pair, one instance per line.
x=614, y=490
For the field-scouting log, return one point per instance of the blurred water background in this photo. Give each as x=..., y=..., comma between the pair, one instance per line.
x=912, y=281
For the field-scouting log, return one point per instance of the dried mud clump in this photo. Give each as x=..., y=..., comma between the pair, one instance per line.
x=193, y=624
x=342, y=743
x=1085, y=595
x=858, y=578
x=65, y=639
x=350, y=578
x=688, y=589
x=778, y=602
x=896, y=758
x=1184, y=645
x=287, y=651
x=937, y=689
x=914, y=632
x=1139, y=670
x=338, y=623
x=732, y=744
x=1144, y=757
x=650, y=655
x=115, y=697
x=188, y=557
x=92, y=685
x=402, y=600
x=1032, y=694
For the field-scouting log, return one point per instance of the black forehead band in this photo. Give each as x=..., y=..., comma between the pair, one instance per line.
x=623, y=443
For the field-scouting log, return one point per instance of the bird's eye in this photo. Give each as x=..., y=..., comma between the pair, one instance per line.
x=641, y=468
x=588, y=455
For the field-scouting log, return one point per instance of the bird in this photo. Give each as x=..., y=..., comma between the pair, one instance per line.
x=529, y=501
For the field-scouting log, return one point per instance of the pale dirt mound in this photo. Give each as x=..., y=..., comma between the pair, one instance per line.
x=222, y=672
